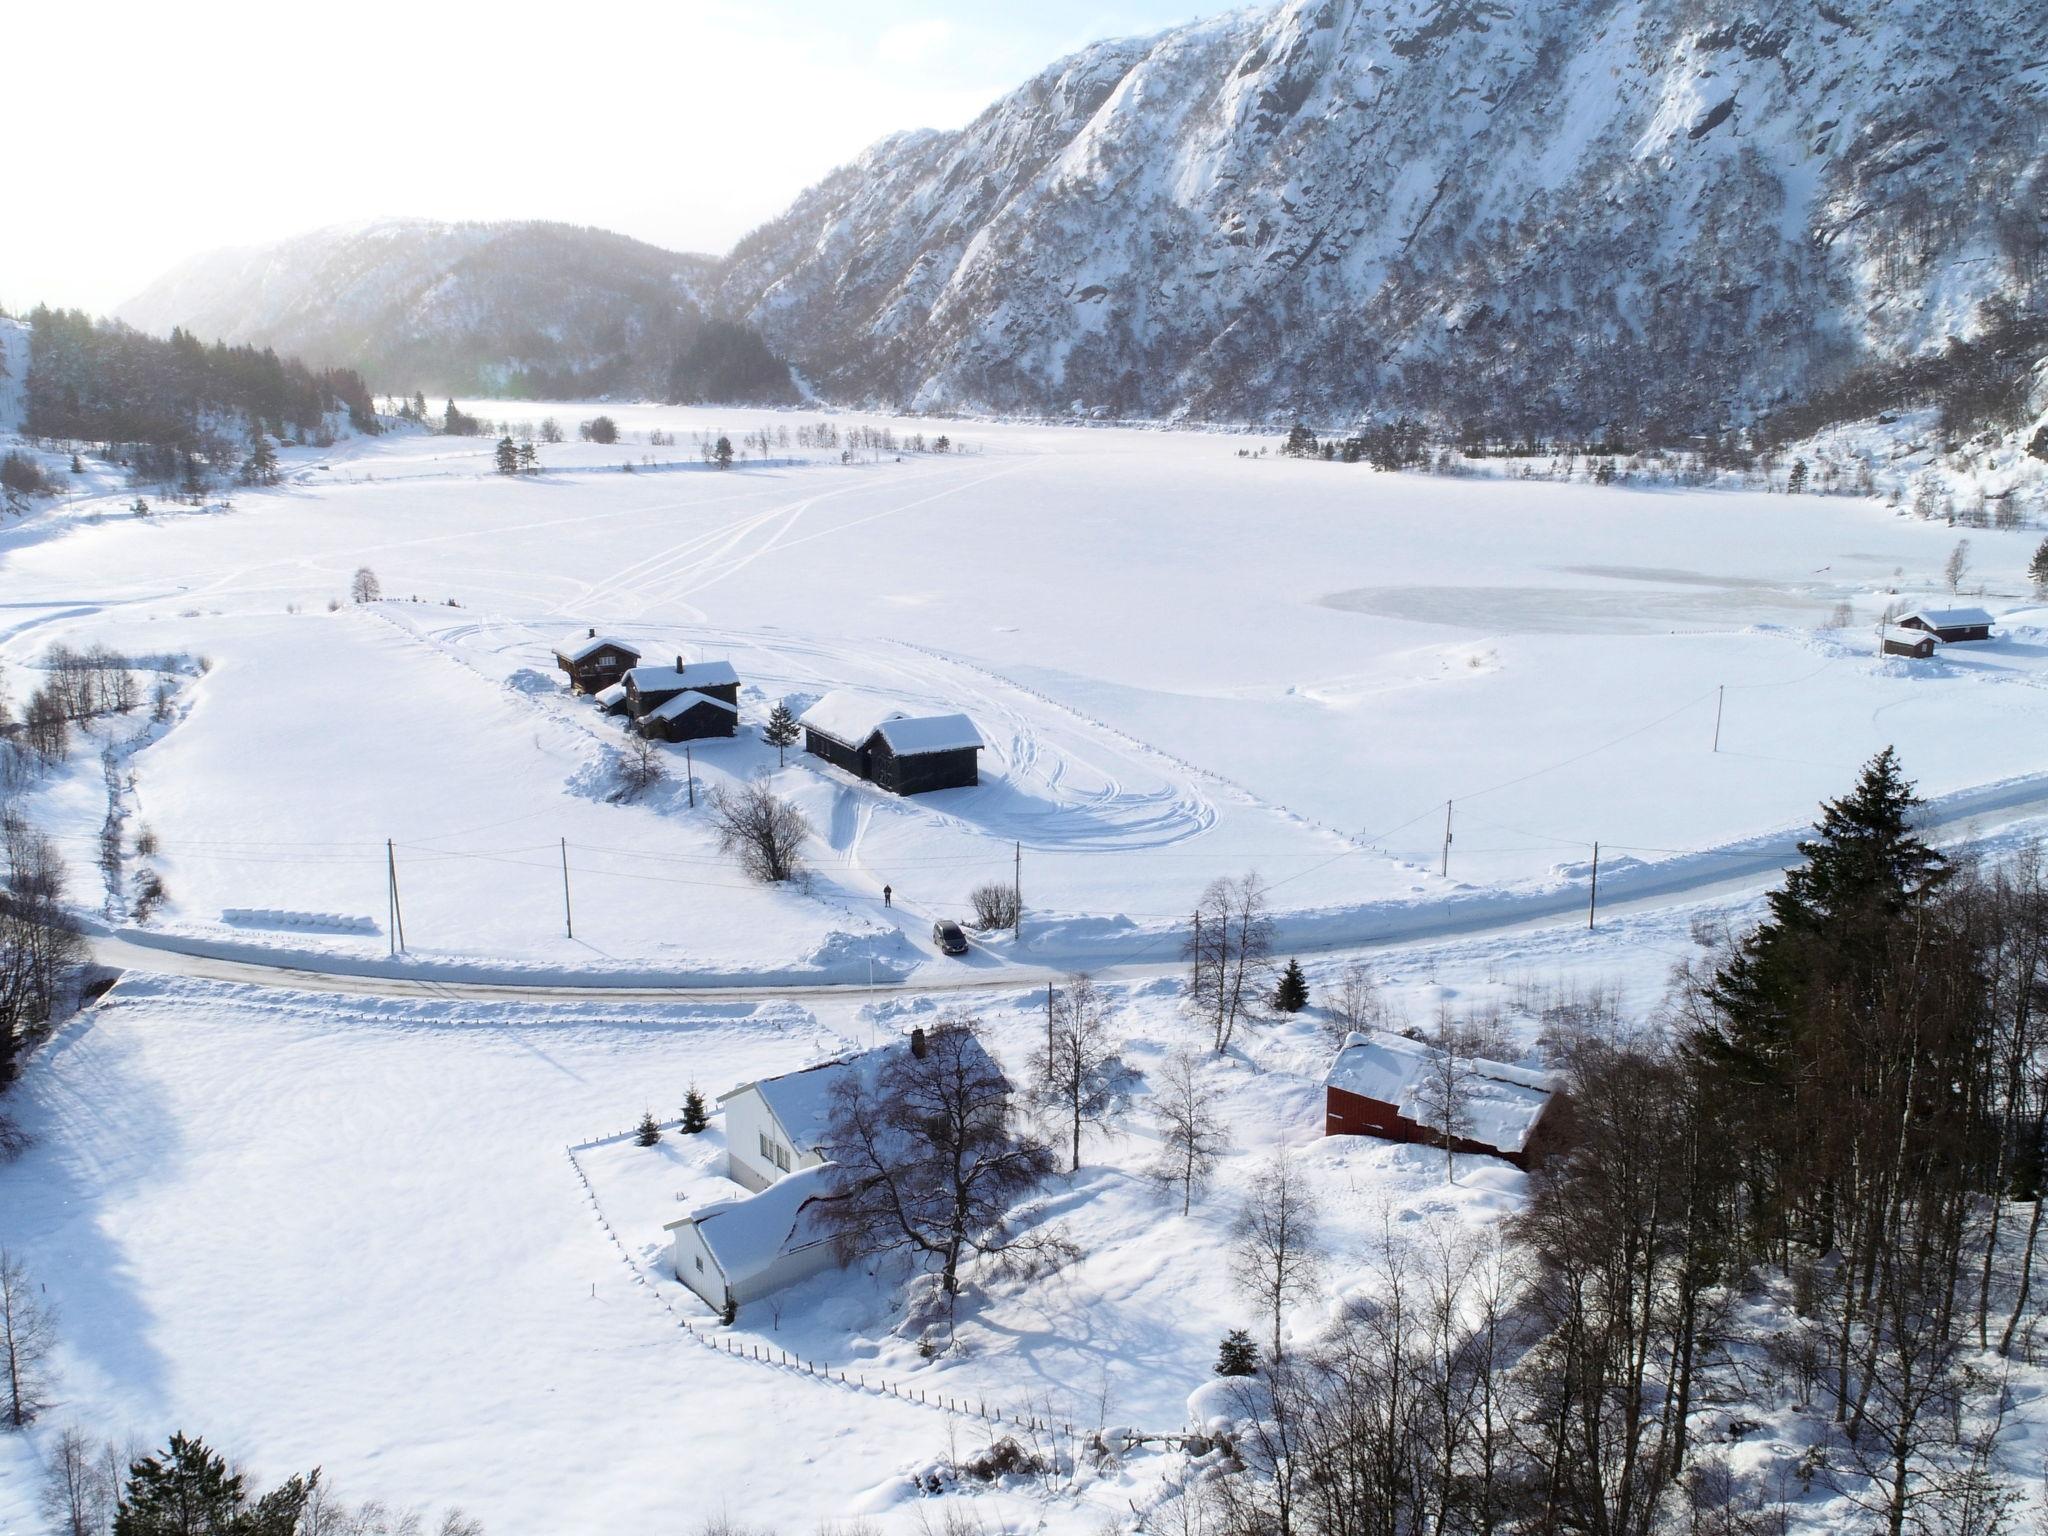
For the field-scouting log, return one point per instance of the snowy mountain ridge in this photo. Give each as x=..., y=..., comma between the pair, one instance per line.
x=1636, y=214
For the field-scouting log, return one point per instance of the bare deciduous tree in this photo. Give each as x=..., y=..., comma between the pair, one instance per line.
x=766, y=831
x=364, y=587
x=1081, y=1075
x=641, y=768
x=1443, y=1094
x=1230, y=950
x=1277, y=1258
x=80, y=1485
x=930, y=1157
x=28, y=1332
x=1193, y=1136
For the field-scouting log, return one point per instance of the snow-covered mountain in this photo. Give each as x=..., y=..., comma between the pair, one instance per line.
x=1508, y=213
x=1499, y=210
x=530, y=308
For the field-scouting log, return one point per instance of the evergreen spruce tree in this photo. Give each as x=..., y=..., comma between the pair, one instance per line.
x=781, y=731
x=1238, y=1355
x=721, y=453
x=2037, y=572
x=1291, y=995
x=695, y=1118
x=1795, y=482
x=508, y=457
x=650, y=1132
x=529, y=459
x=188, y=1490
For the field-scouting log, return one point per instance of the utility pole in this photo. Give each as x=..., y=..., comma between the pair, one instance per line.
x=1593, y=896
x=1017, y=892
x=397, y=912
x=1447, y=839
x=568, y=916
x=1720, y=694
x=690, y=773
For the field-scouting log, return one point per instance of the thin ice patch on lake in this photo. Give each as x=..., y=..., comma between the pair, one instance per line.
x=1704, y=605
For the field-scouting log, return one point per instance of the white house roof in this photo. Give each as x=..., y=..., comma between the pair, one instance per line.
x=1503, y=1102
x=1948, y=618
x=583, y=647
x=749, y=1234
x=932, y=733
x=801, y=1101
x=849, y=716
x=684, y=702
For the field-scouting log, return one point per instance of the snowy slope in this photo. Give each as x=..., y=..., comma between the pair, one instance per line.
x=411, y=303
x=1539, y=216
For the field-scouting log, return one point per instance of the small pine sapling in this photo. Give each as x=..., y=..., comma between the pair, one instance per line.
x=2037, y=572
x=695, y=1119
x=780, y=732
x=649, y=1133
x=1238, y=1355
x=1291, y=995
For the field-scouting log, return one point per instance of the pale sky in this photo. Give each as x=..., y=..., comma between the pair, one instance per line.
x=143, y=133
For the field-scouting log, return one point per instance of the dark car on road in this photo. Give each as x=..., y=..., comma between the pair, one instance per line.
x=947, y=935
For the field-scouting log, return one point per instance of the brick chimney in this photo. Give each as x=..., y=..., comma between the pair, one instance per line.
x=679, y=663
x=593, y=631
x=917, y=1042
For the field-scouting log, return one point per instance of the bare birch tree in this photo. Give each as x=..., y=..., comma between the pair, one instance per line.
x=1193, y=1136
x=28, y=1332
x=1277, y=1260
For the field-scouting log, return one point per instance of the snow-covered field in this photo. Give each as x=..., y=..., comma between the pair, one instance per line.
x=351, y=1231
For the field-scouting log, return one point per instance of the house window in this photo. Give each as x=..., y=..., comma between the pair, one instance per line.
x=767, y=1148
x=700, y=1263
x=607, y=660
x=781, y=1156
x=774, y=1152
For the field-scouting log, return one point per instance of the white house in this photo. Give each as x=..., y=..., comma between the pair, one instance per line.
x=736, y=1251
x=773, y=1125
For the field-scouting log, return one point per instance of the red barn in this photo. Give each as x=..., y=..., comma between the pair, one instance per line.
x=1379, y=1083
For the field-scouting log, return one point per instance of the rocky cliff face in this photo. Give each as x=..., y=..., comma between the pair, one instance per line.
x=1545, y=217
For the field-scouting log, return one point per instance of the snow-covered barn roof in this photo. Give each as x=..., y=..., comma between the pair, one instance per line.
x=849, y=716
x=692, y=674
x=1948, y=618
x=583, y=647
x=932, y=733
x=611, y=697
x=801, y=1101
x=749, y=1234
x=684, y=702
x=1502, y=1102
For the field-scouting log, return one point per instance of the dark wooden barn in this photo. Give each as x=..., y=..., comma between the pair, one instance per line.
x=650, y=687
x=1378, y=1086
x=877, y=741
x=1918, y=646
x=595, y=662
x=690, y=716
x=1951, y=626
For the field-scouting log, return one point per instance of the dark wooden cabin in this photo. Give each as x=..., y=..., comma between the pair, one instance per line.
x=1918, y=646
x=690, y=716
x=595, y=662
x=904, y=754
x=1951, y=626
x=650, y=687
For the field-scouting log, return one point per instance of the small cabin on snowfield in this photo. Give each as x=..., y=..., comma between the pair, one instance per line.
x=1378, y=1084
x=1951, y=626
x=1917, y=645
x=611, y=700
x=650, y=687
x=888, y=746
x=739, y=1250
x=595, y=662
x=689, y=716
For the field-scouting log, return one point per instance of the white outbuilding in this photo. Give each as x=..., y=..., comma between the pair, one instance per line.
x=736, y=1251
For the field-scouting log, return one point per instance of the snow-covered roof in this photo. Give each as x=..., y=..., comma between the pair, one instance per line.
x=583, y=647
x=612, y=696
x=1948, y=618
x=1502, y=1102
x=692, y=674
x=684, y=702
x=801, y=1101
x=932, y=733
x=850, y=716
x=749, y=1234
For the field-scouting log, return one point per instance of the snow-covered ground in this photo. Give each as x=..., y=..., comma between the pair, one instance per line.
x=1185, y=664
x=350, y=1230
